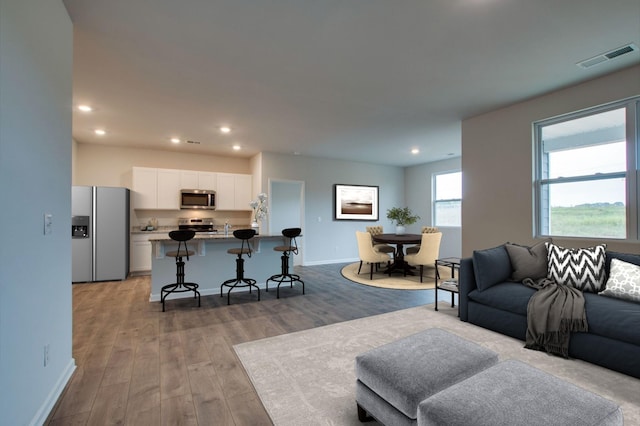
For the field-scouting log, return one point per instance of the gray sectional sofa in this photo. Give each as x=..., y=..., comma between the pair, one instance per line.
x=499, y=304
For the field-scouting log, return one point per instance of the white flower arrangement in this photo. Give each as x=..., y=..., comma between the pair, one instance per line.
x=259, y=206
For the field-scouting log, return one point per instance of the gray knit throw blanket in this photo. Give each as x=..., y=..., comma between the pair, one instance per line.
x=553, y=312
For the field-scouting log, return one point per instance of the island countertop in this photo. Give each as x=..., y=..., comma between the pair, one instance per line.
x=211, y=264
x=211, y=236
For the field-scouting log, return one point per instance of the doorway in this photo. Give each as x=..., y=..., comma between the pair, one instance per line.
x=287, y=210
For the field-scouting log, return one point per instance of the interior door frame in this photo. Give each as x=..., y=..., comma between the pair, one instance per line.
x=299, y=259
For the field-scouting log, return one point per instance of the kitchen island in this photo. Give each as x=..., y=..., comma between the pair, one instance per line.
x=212, y=265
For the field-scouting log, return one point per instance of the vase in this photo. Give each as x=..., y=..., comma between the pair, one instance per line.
x=255, y=226
x=400, y=230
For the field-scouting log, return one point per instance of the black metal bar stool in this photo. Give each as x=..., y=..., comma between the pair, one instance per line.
x=180, y=286
x=240, y=281
x=291, y=246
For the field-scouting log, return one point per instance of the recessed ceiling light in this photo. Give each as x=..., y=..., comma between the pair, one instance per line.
x=415, y=151
x=225, y=129
x=100, y=132
x=175, y=140
x=85, y=108
x=236, y=147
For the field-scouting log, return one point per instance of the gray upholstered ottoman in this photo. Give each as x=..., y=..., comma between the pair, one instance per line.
x=394, y=378
x=514, y=393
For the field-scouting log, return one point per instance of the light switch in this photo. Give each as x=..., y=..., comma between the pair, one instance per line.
x=48, y=223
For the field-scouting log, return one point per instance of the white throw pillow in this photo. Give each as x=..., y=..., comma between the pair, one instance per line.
x=624, y=281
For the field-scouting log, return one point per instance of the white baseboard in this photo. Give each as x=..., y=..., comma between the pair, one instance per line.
x=52, y=398
x=326, y=262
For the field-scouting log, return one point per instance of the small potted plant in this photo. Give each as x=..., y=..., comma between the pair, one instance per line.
x=401, y=216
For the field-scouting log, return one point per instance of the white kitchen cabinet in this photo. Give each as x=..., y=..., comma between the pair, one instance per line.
x=189, y=179
x=243, y=193
x=156, y=188
x=233, y=192
x=141, y=251
x=168, y=189
x=208, y=180
x=225, y=193
x=145, y=188
x=159, y=189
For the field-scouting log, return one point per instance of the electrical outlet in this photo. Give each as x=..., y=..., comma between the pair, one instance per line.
x=46, y=354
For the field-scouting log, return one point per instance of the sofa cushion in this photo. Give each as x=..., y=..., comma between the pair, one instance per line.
x=507, y=296
x=527, y=262
x=613, y=318
x=623, y=281
x=491, y=266
x=582, y=268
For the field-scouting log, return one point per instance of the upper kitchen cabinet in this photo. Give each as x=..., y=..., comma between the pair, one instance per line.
x=145, y=188
x=156, y=188
x=168, y=189
x=233, y=191
x=191, y=179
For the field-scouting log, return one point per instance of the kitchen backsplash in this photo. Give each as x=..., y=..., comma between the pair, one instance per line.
x=169, y=219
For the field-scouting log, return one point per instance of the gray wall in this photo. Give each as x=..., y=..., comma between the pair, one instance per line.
x=418, y=193
x=497, y=163
x=326, y=240
x=35, y=178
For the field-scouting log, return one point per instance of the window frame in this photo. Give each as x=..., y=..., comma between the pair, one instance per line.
x=631, y=173
x=435, y=201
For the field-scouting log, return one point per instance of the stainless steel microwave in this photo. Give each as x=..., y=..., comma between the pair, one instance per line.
x=197, y=199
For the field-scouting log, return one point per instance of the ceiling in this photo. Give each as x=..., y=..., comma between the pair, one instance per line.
x=364, y=80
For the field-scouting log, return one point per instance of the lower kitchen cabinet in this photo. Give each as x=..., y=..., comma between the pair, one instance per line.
x=141, y=252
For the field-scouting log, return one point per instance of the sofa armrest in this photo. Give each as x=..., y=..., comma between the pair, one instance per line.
x=467, y=283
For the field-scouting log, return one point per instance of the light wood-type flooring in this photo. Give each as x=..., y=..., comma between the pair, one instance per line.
x=137, y=365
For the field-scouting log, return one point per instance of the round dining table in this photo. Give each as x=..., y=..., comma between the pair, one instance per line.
x=399, y=265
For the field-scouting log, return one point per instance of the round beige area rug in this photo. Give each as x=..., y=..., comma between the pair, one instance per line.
x=396, y=281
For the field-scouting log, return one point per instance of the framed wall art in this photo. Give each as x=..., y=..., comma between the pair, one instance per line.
x=355, y=202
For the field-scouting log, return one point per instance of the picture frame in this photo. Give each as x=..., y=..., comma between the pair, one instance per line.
x=355, y=202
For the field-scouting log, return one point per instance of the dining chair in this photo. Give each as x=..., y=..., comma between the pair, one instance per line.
x=425, y=230
x=380, y=247
x=428, y=253
x=368, y=254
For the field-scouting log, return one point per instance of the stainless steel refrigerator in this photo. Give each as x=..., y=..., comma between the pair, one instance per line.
x=99, y=233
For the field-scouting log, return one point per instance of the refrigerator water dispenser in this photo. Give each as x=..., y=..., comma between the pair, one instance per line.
x=80, y=226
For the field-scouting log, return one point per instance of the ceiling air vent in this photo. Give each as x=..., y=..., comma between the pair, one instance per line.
x=194, y=142
x=607, y=56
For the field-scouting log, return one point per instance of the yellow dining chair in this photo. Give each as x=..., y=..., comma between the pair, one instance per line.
x=368, y=254
x=381, y=247
x=428, y=253
x=425, y=230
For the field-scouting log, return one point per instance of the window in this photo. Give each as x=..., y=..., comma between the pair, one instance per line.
x=447, y=199
x=586, y=173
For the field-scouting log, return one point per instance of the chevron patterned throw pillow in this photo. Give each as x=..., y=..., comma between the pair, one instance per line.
x=580, y=268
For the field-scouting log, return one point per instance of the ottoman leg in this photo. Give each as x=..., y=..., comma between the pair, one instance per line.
x=362, y=414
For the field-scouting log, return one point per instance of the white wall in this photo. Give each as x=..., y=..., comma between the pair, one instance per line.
x=327, y=240
x=35, y=178
x=497, y=162
x=418, y=193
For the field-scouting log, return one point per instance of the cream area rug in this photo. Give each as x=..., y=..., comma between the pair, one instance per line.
x=308, y=377
x=396, y=281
